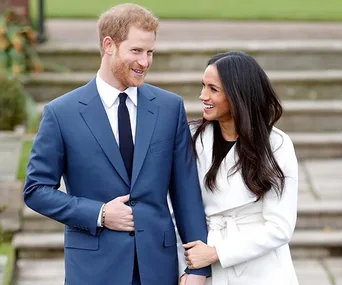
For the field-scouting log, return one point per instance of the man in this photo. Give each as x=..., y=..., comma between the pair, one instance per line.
x=120, y=146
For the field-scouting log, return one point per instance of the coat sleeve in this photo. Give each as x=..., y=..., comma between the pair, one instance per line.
x=184, y=190
x=280, y=216
x=44, y=172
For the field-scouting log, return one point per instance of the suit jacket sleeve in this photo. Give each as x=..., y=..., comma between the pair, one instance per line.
x=280, y=216
x=44, y=171
x=185, y=191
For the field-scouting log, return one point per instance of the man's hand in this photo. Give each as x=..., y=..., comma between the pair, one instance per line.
x=182, y=280
x=198, y=254
x=119, y=217
x=193, y=279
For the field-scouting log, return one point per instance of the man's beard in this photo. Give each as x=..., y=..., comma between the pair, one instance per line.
x=122, y=73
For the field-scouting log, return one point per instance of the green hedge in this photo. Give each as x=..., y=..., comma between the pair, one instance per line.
x=7, y=250
x=18, y=53
x=25, y=153
x=12, y=103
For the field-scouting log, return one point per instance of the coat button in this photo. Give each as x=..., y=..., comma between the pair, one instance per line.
x=132, y=233
x=132, y=203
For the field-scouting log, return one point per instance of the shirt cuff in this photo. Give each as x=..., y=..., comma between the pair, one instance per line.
x=99, y=218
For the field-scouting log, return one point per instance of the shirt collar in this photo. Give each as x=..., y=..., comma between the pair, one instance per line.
x=109, y=93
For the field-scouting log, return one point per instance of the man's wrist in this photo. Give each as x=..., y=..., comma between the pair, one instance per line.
x=103, y=215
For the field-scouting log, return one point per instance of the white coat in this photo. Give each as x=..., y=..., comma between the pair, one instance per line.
x=251, y=238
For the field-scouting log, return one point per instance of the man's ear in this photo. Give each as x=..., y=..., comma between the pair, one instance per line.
x=108, y=45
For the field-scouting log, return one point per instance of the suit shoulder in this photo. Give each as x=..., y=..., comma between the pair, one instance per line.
x=164, y=94
x=67, y=99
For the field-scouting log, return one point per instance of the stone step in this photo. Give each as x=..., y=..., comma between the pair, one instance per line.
x=311, y=215
x=192, y=56
x=289, y=85
x=11, y=197
x=304, y=244
x=35, y=222
x=45, y=281
x=51, y=271
x=319, y=215
x=299, y=115
x=317, y=145
x=40, y=272
x=39, y=245
x=3, y=263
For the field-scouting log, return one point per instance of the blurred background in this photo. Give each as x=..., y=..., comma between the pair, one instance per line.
x=49, y=47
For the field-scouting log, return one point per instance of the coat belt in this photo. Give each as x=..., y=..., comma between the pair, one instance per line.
x=219, y=227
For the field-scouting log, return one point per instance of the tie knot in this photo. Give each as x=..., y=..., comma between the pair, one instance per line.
x=122, y=97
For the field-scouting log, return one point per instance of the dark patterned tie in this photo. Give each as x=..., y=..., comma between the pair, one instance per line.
x=125, y=134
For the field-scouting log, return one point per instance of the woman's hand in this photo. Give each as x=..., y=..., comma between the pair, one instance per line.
x=198, y=254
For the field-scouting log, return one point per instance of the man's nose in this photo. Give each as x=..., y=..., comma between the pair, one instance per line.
x=143, y=60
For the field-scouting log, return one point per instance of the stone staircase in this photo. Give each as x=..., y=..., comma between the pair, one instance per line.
x=318, y=233
x=307, y=76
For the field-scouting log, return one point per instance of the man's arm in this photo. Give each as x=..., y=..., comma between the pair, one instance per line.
x=44, y=171
x=185, y=191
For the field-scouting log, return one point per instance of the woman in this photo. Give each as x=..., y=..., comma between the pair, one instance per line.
x=249, y=177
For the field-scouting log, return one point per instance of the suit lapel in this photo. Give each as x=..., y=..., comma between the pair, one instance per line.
x=147, y=113
x=95, y=117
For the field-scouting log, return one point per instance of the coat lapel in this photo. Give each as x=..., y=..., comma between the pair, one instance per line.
x=147, y=113
x=231, y=191
x=95, y=117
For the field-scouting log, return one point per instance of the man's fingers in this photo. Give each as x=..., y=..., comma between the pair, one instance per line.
x=129, y=229
x=189, y=244
x=129, y=210
x=123, y=199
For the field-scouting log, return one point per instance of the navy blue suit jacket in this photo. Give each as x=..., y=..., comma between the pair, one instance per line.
x=75, y=141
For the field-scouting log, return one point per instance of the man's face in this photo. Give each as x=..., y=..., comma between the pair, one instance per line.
x=132, y=58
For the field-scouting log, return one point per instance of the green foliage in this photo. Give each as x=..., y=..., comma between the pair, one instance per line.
x=17, y=46
x=12, y=103
x=7, y=249
x=24, y=157
x=2, y=208
x=270, y=10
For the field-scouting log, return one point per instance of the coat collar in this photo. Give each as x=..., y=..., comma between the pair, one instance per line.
x=231, y=191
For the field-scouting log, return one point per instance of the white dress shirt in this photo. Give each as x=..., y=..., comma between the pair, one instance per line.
x=110, y=100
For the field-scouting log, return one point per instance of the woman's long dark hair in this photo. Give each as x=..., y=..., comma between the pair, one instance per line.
x=255, y=108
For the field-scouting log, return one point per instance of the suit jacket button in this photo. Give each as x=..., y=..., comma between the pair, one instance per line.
x=132, y=233
x=132, y=203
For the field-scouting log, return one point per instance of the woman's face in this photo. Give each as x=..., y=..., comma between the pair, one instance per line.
x=216, y=105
